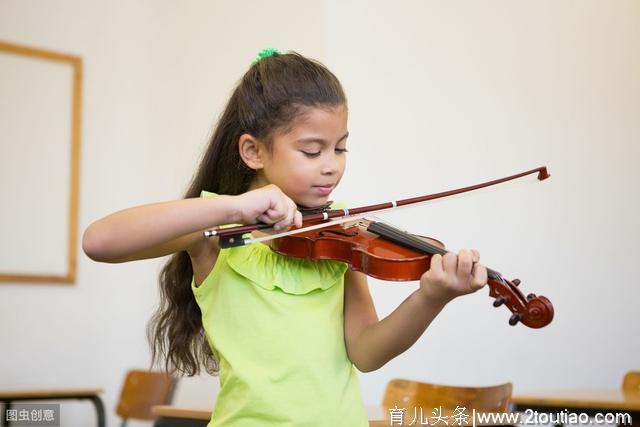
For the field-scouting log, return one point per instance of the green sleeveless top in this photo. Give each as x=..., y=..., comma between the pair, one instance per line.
x=276, y=326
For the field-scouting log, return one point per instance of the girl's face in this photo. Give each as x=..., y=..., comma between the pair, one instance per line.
x=307, y=160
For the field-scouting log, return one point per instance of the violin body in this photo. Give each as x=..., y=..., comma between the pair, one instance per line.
x=386, y=253
x=363, y=250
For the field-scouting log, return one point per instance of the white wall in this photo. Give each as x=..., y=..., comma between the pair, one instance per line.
x=446, y=94
x=442, y=95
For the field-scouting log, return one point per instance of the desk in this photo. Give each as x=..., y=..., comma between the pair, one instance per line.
x=92, y=394
x=590, y=402
x=173, y=416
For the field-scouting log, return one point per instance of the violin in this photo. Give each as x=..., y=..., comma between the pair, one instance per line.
x=382, y=251
x=385, y=252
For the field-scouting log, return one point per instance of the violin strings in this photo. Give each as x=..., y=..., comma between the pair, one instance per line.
x=380, y=227
x=251, y=240
x=396, y=235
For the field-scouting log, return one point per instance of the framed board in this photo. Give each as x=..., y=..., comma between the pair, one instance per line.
x=40, y=131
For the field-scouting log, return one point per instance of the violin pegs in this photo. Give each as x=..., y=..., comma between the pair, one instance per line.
x=516, y=282
x=499, y=301
x=513, y=320
x=530, y=297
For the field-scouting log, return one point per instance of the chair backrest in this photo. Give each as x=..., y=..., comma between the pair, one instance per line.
x=631, y=382
x=413, y=394
x=141, y=391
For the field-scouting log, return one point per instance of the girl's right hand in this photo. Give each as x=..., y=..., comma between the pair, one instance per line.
x=269, y=205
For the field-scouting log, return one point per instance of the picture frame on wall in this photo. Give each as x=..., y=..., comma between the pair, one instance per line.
x=40, y=134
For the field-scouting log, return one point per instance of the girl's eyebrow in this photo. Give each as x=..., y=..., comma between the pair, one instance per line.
x=320, y=140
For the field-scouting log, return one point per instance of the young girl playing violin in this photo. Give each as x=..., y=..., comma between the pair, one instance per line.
x=283, y=333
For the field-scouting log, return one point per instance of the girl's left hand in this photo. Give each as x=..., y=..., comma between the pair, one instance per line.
x=452, y=275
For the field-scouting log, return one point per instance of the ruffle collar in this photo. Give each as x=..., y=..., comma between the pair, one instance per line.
x=270, y=270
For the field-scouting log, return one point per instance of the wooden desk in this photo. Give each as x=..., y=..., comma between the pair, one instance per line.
x=92, y=394
x=590, y=402
x=173, y=416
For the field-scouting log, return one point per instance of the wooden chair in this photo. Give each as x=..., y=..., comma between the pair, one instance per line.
x=413, y=394
x=140, y=392
x=631, y=382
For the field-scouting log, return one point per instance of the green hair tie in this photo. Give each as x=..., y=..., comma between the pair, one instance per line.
x=265, y=53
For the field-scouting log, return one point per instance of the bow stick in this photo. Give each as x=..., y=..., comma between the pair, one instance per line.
x=232, y=235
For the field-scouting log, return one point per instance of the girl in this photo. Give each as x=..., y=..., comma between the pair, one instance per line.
x=283, y=333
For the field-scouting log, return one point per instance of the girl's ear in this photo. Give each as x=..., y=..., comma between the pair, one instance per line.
x=251, y=151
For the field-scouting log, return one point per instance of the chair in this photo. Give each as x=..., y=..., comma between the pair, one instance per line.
x=631, y=382
x=141, y=391
x=413, y=394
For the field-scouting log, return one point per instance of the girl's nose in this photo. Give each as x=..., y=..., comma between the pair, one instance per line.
x=330, y=166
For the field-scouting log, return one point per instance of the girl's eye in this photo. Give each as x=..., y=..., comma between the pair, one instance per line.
x=316, y=154
x=311, y=154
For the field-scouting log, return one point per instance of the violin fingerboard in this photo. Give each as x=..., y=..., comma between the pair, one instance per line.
x=408, y=240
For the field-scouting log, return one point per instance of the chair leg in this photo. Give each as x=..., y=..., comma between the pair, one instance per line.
x=123, y=423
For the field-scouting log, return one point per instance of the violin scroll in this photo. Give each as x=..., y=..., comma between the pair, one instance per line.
x=532, y=311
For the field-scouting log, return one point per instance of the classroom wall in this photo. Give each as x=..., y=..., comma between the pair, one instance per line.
x=447, y=94
x=441, y=95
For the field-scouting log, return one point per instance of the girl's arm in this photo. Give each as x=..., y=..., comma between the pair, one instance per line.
x=159, y=229
x=371, y=343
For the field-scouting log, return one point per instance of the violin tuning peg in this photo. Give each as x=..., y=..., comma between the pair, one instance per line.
x=513, y=320
x=499, y=301
x=530, y=297
x=516, y=282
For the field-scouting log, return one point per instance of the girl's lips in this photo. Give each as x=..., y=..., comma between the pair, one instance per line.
x=324, y=190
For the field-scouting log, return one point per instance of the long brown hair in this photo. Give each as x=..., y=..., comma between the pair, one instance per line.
x=271, y=94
